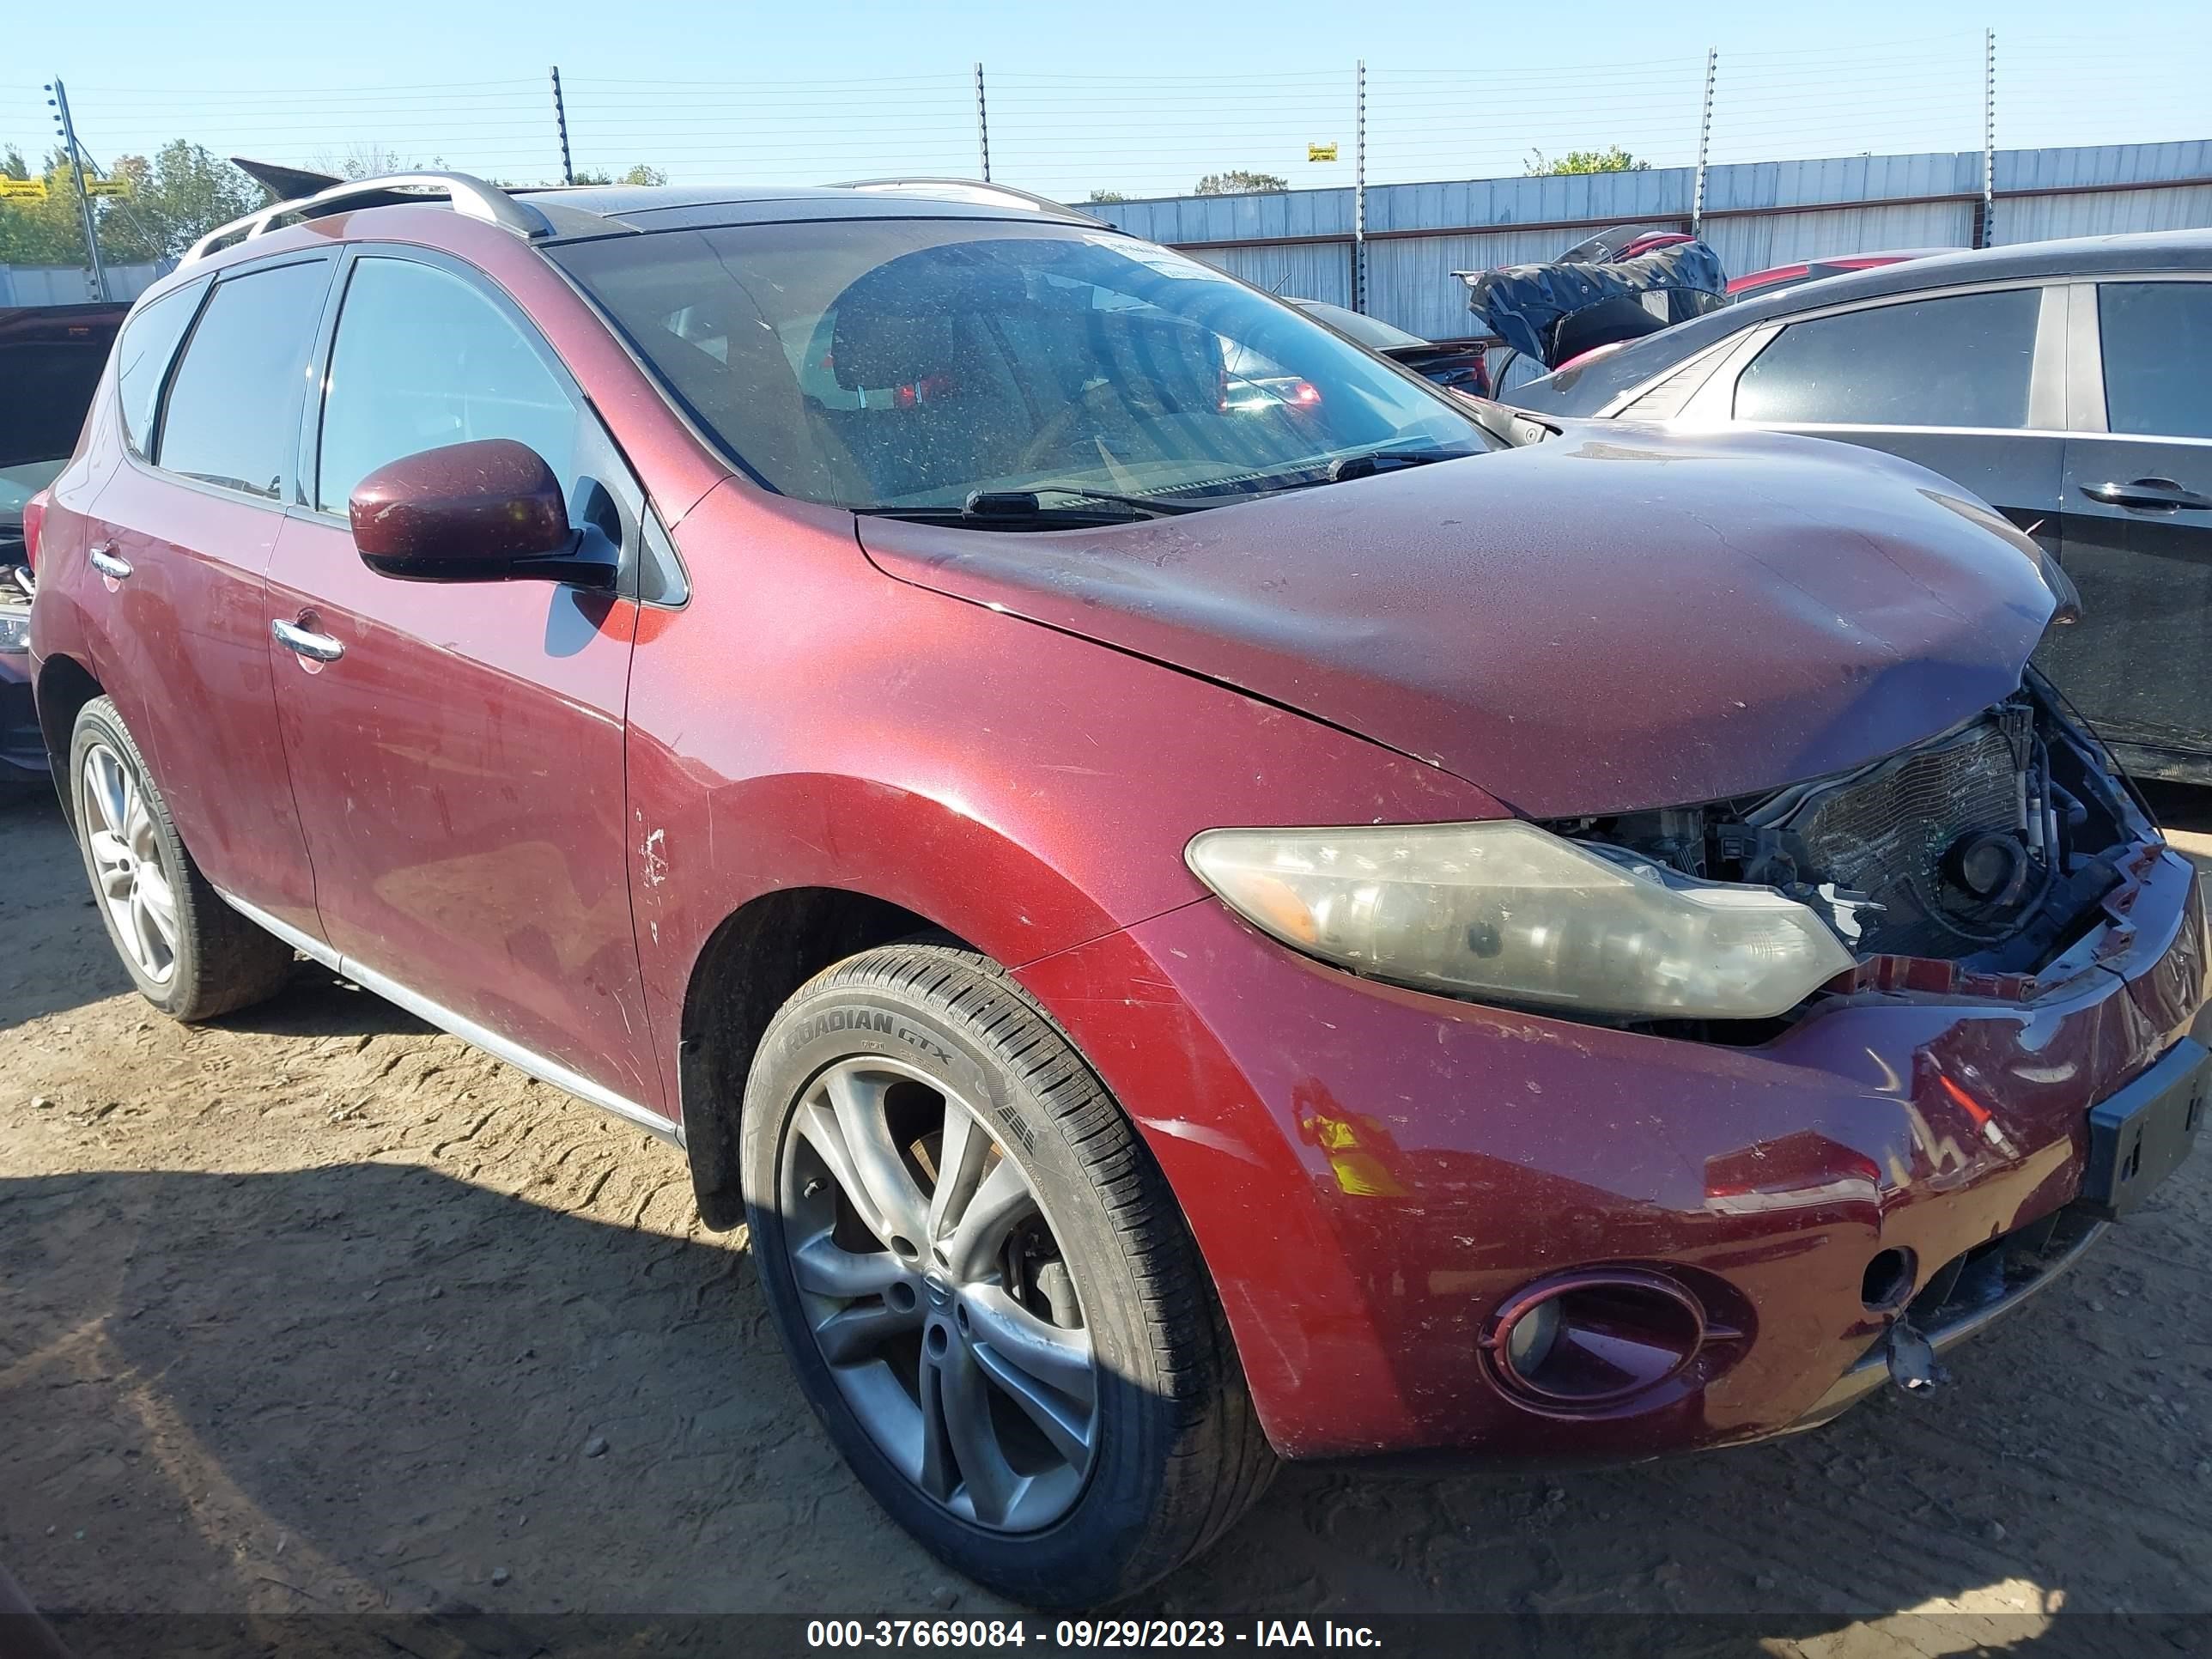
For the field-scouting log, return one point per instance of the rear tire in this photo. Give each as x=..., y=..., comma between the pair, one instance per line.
x=892, y=1062
x=189, y=953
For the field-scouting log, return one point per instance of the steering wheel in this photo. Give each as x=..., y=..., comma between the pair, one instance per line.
x=1048, y=435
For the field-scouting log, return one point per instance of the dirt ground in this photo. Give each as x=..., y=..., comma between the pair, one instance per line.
x=316, y=1310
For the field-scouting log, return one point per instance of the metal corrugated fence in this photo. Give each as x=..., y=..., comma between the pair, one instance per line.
x=1758, y=214
x=72, y=285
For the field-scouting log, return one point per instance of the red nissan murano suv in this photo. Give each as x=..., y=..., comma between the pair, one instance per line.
x=1203, y=900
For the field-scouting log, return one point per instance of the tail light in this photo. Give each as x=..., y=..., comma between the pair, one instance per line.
x=34, y=521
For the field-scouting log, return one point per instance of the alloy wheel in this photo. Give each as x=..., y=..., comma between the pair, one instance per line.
x=937, y=1294
x=129, y=873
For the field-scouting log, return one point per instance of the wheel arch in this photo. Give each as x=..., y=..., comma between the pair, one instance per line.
x=748, y=968
x=747, y=892
x=62, y=688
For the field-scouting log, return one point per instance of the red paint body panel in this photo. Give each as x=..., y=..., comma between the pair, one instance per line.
x=806, y=720
x=182, y=646
x=1733, y=611
x=459, y=778
x=1370, y=1170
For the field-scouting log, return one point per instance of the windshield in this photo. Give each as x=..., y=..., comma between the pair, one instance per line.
x=896, y=364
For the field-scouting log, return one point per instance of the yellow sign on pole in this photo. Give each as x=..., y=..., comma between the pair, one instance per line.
x=1321, y=152
x=18, y=189
x=107, y=187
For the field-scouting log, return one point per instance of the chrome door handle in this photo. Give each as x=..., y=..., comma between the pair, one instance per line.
x=318, y=647
x=105, y=562
x=2148, y=495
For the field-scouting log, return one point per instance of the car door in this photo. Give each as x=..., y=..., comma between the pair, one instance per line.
x=211, y=379
x=456, y=749
x=2138, y=522
x=1967, y=383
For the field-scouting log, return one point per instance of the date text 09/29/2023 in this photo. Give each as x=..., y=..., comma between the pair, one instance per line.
x=994, y=1634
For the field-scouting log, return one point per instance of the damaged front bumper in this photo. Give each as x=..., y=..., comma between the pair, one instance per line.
x=1972, y=1293
x=1377, y=1177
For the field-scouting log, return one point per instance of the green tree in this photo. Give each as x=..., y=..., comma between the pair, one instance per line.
x=1105, y=195
x=1237, y=181
x=640, y=174
x=42, y=230
x=177, y=197
x=1612, y=159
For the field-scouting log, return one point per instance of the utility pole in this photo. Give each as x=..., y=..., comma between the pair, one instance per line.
x=1359, y=189
x=59, y=97
x=1987, y=228
x=982, y=123
x=1705, y=140
x=561, y=126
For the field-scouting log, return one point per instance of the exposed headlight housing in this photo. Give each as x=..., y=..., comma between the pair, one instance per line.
x=1505, y=912
x=15, y=628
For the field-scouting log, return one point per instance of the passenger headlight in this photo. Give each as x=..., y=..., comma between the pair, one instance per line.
x=15, y=628
x=1505, y=911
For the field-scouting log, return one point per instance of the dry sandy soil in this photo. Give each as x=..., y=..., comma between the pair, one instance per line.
x=316, y=1310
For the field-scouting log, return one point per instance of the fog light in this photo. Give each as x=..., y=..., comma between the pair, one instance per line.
x=1593, y=1339
x=1528, y=1340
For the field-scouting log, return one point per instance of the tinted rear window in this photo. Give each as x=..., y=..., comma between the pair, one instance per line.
x=233, y=417
x=2158, y=357
x=142, y=351
x=1963, y=360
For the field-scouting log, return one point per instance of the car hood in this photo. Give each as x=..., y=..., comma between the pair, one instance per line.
x=1610, y=620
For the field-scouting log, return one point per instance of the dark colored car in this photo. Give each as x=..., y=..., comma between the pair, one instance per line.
x=51, y=358
x=2065, y=382
x=1191, y=929
x=1455, y=365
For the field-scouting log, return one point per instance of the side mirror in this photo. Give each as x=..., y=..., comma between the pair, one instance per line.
x=486, y=511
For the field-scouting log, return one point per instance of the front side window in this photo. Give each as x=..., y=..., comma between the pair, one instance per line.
x=142, y=351
x=898, y=363
x=2157, y=342
x=1962, y=360
x=422, y=359
x=233, y=417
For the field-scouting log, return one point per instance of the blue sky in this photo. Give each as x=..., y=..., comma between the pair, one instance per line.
x=1139, y=95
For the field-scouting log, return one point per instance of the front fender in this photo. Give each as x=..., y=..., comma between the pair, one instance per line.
x=808, y=721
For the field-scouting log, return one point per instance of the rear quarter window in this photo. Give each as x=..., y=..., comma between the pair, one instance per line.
x=143, y=352
x=1961, y=360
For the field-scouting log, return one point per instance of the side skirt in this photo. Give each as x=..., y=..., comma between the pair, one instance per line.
x=522, y=1059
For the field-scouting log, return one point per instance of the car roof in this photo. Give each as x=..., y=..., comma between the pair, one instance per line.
x=1589, y=389
x=545, y=214
x=673, y=207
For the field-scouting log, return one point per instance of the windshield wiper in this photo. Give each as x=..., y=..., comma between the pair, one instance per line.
x=1374, y=460
x=1012, y=508
x=1024, y=504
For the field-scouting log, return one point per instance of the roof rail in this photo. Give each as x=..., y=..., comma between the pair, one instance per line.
x=467, y=194
x=980, y=191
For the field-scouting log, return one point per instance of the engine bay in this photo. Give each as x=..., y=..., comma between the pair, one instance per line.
x=1987, y=847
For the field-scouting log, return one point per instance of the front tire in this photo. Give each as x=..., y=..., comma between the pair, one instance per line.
x=984, y=1284
x=189, y=954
